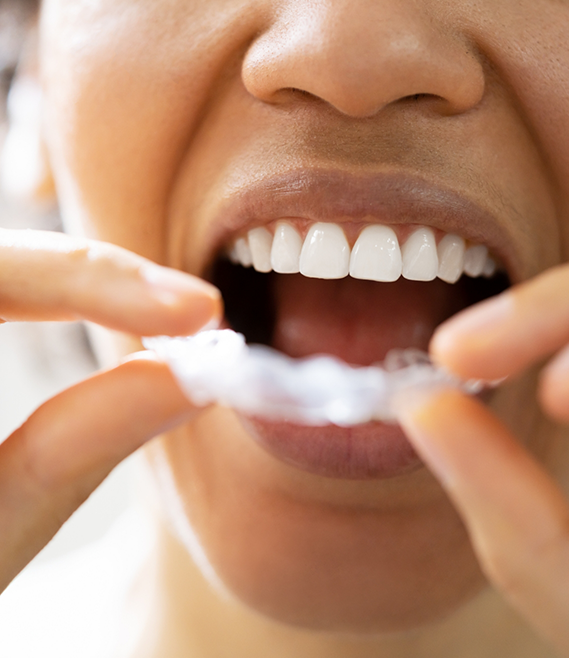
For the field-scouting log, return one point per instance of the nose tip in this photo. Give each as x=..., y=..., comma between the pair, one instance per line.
x=359, y=57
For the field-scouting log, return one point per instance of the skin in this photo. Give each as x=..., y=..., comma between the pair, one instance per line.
x=141, y=101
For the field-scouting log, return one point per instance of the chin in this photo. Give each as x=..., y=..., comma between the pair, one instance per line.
x=339, y=555
x=341, y=573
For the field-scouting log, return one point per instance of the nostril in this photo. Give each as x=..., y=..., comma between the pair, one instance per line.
x=427, y=100
x=300, y=92
x=418, y=97
x=361, y=61
x=293, y=95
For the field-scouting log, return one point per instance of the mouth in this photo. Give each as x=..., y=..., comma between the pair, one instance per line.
x=306, y=271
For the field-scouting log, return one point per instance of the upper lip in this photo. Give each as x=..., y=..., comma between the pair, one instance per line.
x=388, y=198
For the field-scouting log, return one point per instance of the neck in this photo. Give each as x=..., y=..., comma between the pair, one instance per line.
x=185, y=615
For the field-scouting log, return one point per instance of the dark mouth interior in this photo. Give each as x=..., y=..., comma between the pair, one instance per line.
x=254, y=306
x=249, y=300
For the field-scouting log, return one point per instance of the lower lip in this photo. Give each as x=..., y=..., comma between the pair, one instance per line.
x=371, y=451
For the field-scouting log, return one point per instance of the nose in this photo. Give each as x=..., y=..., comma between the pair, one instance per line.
x=361, y=55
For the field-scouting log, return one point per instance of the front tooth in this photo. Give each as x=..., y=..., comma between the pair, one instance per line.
x=376, y=255
x=243, y=253
x=260, y=242
x=451, y=257
x=475, y=259
x=420, y=259
x=285, y=252
x=325, y=253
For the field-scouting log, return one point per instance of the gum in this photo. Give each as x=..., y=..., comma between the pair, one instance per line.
x=219, y=367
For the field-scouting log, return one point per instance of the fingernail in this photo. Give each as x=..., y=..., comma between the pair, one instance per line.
x=168, y=284
x=183, y=292
x=145, y=355
x=411, y=400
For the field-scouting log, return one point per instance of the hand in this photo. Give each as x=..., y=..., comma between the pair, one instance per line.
x=517, y=517
x=53, y=462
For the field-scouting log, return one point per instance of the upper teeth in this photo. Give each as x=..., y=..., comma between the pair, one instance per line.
x=325, y=253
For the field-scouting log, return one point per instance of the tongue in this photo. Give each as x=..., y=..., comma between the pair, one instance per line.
x=358, y=321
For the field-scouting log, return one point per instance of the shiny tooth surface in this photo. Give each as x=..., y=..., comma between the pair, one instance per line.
x=376, y=255
x=451, y=257
x=260, y=242
x=242, y=252
x=325, y=252
x=419, y=253
x=489, y=268
x=475, y=259
x=285, y=252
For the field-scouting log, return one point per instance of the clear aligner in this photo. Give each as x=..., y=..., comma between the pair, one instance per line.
x=218, y=366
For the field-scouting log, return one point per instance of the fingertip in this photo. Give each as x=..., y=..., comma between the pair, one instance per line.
x=444, y=347
x=191, y=304
x=209, y=312
x=414, y=403
x=423, y=414
x=193, y=313
x=471, y=343
x=456, y=347
x=432, y=410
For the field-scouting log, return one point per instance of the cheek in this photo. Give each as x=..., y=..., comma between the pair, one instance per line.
x=125, y=84
x=280, y=545
x=529, y=51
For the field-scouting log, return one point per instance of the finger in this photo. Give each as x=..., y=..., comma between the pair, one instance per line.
x=554, y=387
x=51, y=276
x=56, y=459
x=505, y=334
x=517, y=518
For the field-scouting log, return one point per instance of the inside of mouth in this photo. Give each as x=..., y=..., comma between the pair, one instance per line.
x=356, y=320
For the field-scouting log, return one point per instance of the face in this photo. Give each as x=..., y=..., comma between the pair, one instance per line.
x=175, y=127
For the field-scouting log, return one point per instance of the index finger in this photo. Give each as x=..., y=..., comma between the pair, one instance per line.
x=503, y=335
x=51, y=276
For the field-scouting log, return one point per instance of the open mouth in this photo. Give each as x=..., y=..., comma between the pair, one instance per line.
x=355, y=290
x=308, y=292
